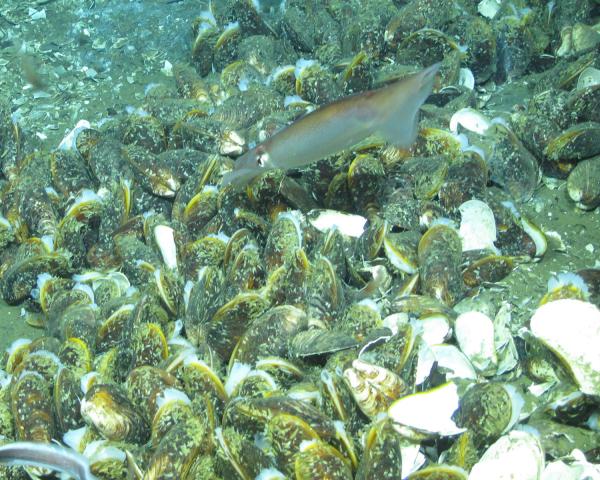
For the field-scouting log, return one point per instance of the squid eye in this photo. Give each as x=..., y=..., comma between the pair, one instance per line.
x=261, y=159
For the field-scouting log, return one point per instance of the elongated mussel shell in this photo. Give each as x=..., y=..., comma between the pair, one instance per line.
x=382, y=456
x=66, y=397
x=204, y=300
x=145, y=131
x=254, y=413
x=239, y=455
x=439, y=253
x=491, y=268
x=285, y=237
x=512, y=165
x=177, y=450
x=32, y=408
x=107, y=408
x=576, y=143
x=269, y=334
x=318, y=459
x=231, y=320
x=286, y=432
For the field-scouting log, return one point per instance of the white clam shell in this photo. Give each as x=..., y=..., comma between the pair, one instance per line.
x=571, y=329
x=436, y=328
x=470, y=119
x=474, y=332
x=348, y=224
x=466, y=78
x=165, y=239
x=428, y=412
x=477, y=226
x=515, y=456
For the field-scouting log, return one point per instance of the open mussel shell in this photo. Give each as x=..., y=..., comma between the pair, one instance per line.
x=373, y=387
x=474, y=332
x=427, y=414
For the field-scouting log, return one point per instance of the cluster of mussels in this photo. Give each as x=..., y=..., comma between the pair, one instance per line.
x=315, y=324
